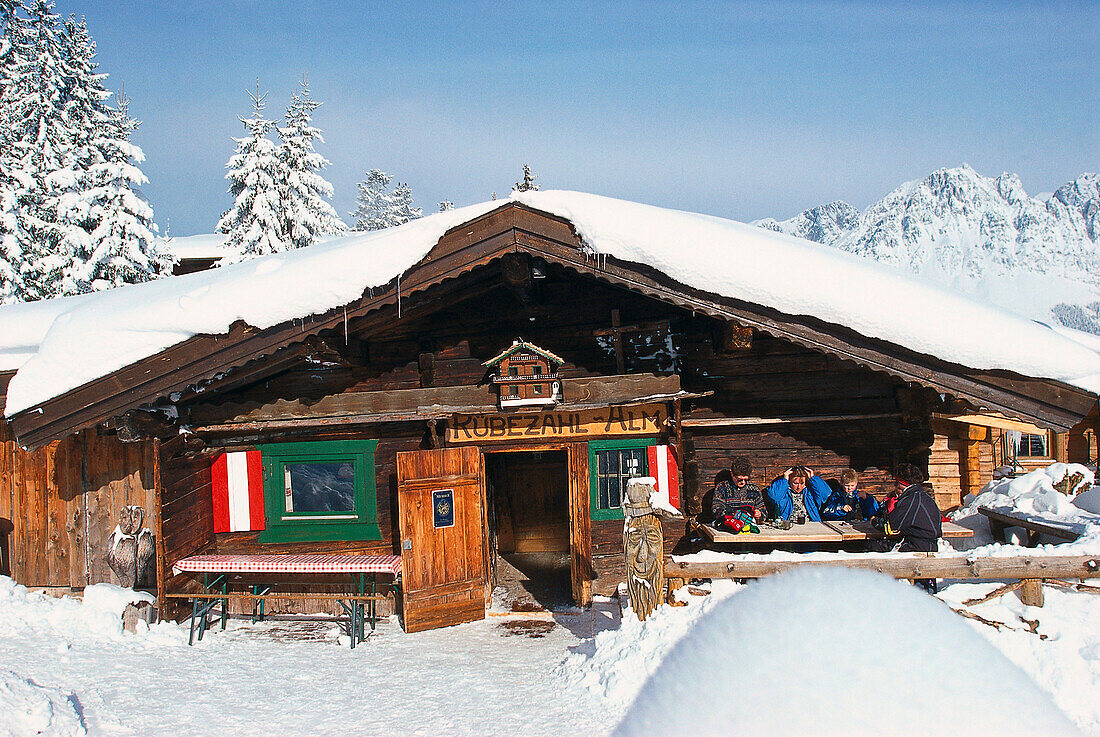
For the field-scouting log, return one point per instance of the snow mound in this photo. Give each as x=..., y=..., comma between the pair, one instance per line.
x=830, y=651
x=106, y=598
x=1034, y=492
x=27, y=708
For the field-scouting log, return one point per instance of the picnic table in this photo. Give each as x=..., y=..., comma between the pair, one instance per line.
x=264, y=572
x=1000, y=519
x=813, y=532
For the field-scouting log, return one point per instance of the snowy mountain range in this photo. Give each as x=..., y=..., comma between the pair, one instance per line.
x=985, y=237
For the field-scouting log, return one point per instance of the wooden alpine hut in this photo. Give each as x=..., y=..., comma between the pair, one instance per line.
x=343, y=399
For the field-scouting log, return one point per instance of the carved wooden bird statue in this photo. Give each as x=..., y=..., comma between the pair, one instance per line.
x=130, y=547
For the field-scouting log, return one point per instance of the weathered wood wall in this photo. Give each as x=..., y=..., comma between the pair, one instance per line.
x=62, y=502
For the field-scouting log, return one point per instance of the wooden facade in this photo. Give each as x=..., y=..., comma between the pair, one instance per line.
x=646, y=361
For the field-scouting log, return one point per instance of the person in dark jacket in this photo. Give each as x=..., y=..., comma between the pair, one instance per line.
x=738, y=493
x=849, y=502
x=914, y=519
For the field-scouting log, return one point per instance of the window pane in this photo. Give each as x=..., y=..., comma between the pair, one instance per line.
x=614, y=497
x=602, y=502
x=612, y=461
x=320, y=487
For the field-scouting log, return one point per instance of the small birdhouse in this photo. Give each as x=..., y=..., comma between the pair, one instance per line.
x=525, y=375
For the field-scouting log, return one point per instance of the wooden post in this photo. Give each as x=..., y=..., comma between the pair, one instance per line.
x=1031, y=593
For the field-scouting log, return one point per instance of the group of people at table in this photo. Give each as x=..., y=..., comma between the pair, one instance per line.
x=908, y=516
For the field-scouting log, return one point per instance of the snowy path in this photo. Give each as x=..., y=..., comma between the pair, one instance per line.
x=478, y=678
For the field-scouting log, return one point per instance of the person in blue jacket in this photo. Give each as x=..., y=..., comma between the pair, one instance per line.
x=849, y=501
x=799, y=491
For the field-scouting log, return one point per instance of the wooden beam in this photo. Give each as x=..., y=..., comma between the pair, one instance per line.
x=983, y=420
x=736, y=421
x=916, y=565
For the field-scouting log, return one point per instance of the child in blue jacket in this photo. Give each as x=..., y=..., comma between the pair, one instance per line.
x=798, y=491
x=850, y=501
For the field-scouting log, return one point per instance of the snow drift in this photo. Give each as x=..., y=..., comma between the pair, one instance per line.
x=835, y=651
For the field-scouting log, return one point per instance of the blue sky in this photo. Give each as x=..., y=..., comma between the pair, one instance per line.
x=743, y=110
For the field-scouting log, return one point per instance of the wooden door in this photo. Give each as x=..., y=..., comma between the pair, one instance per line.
x=443, y=551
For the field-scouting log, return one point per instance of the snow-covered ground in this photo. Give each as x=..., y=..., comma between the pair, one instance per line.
x=832, y=649
x=812, y=650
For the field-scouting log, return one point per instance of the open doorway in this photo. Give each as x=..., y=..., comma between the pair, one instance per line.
x=529, y=529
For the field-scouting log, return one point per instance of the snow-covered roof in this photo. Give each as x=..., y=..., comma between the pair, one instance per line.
x=96, y=334
x=205, y=245
x=518, y=345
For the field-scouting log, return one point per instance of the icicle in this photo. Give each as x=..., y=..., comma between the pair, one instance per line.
x=345, y=324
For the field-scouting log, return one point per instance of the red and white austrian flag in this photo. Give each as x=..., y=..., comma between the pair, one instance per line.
x=238, y=482
x=662, y=466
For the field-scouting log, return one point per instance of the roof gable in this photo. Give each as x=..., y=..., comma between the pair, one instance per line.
x=439, y=251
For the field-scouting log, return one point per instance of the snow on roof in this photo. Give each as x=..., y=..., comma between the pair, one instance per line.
x=102, y=332
x=96, y=334
x=205, y=245
x=24, y=325
x=518, y=345
x=800, y=277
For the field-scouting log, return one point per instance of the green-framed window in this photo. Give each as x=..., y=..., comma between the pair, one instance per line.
x=318, y=491
x=610, y=464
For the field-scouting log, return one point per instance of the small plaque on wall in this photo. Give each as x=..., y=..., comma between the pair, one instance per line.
x=443, y=508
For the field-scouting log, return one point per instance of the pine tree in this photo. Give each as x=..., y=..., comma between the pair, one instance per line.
x=43, y=147
x=253, y=223
x=528, y=182
x=446, y=205
x=403, y=209
x=306, y=212
x=124, y=248
x=12, y=50
x=378, y=208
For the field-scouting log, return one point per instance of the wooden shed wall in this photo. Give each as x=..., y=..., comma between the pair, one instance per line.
x=61, y=503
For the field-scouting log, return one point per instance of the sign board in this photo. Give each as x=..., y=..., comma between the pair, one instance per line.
x=642, y=419
x=443, y=508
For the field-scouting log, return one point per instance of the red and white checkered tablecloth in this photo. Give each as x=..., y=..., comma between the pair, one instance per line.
x=317, y=563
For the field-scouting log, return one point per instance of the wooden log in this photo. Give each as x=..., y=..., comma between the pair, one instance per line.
x=916, y=565
x=1031, y=593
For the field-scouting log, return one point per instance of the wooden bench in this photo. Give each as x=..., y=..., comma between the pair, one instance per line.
x=999, y=520
x=218, y=570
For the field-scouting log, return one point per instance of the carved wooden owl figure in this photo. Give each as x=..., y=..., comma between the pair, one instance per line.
x=130, y=547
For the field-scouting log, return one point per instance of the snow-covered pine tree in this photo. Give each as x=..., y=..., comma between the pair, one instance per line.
x=123, y=248
x=254, y=223
x=374, y=203
x=306, y=212
x=43, y=144
x=446, y=205
x=12, y=51
x=527, y=184
x=403, y=209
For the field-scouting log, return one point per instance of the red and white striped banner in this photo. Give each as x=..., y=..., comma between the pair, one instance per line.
x=238, y=482
x=662, y=466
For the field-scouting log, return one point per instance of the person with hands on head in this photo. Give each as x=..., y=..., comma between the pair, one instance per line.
x=799, y=492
